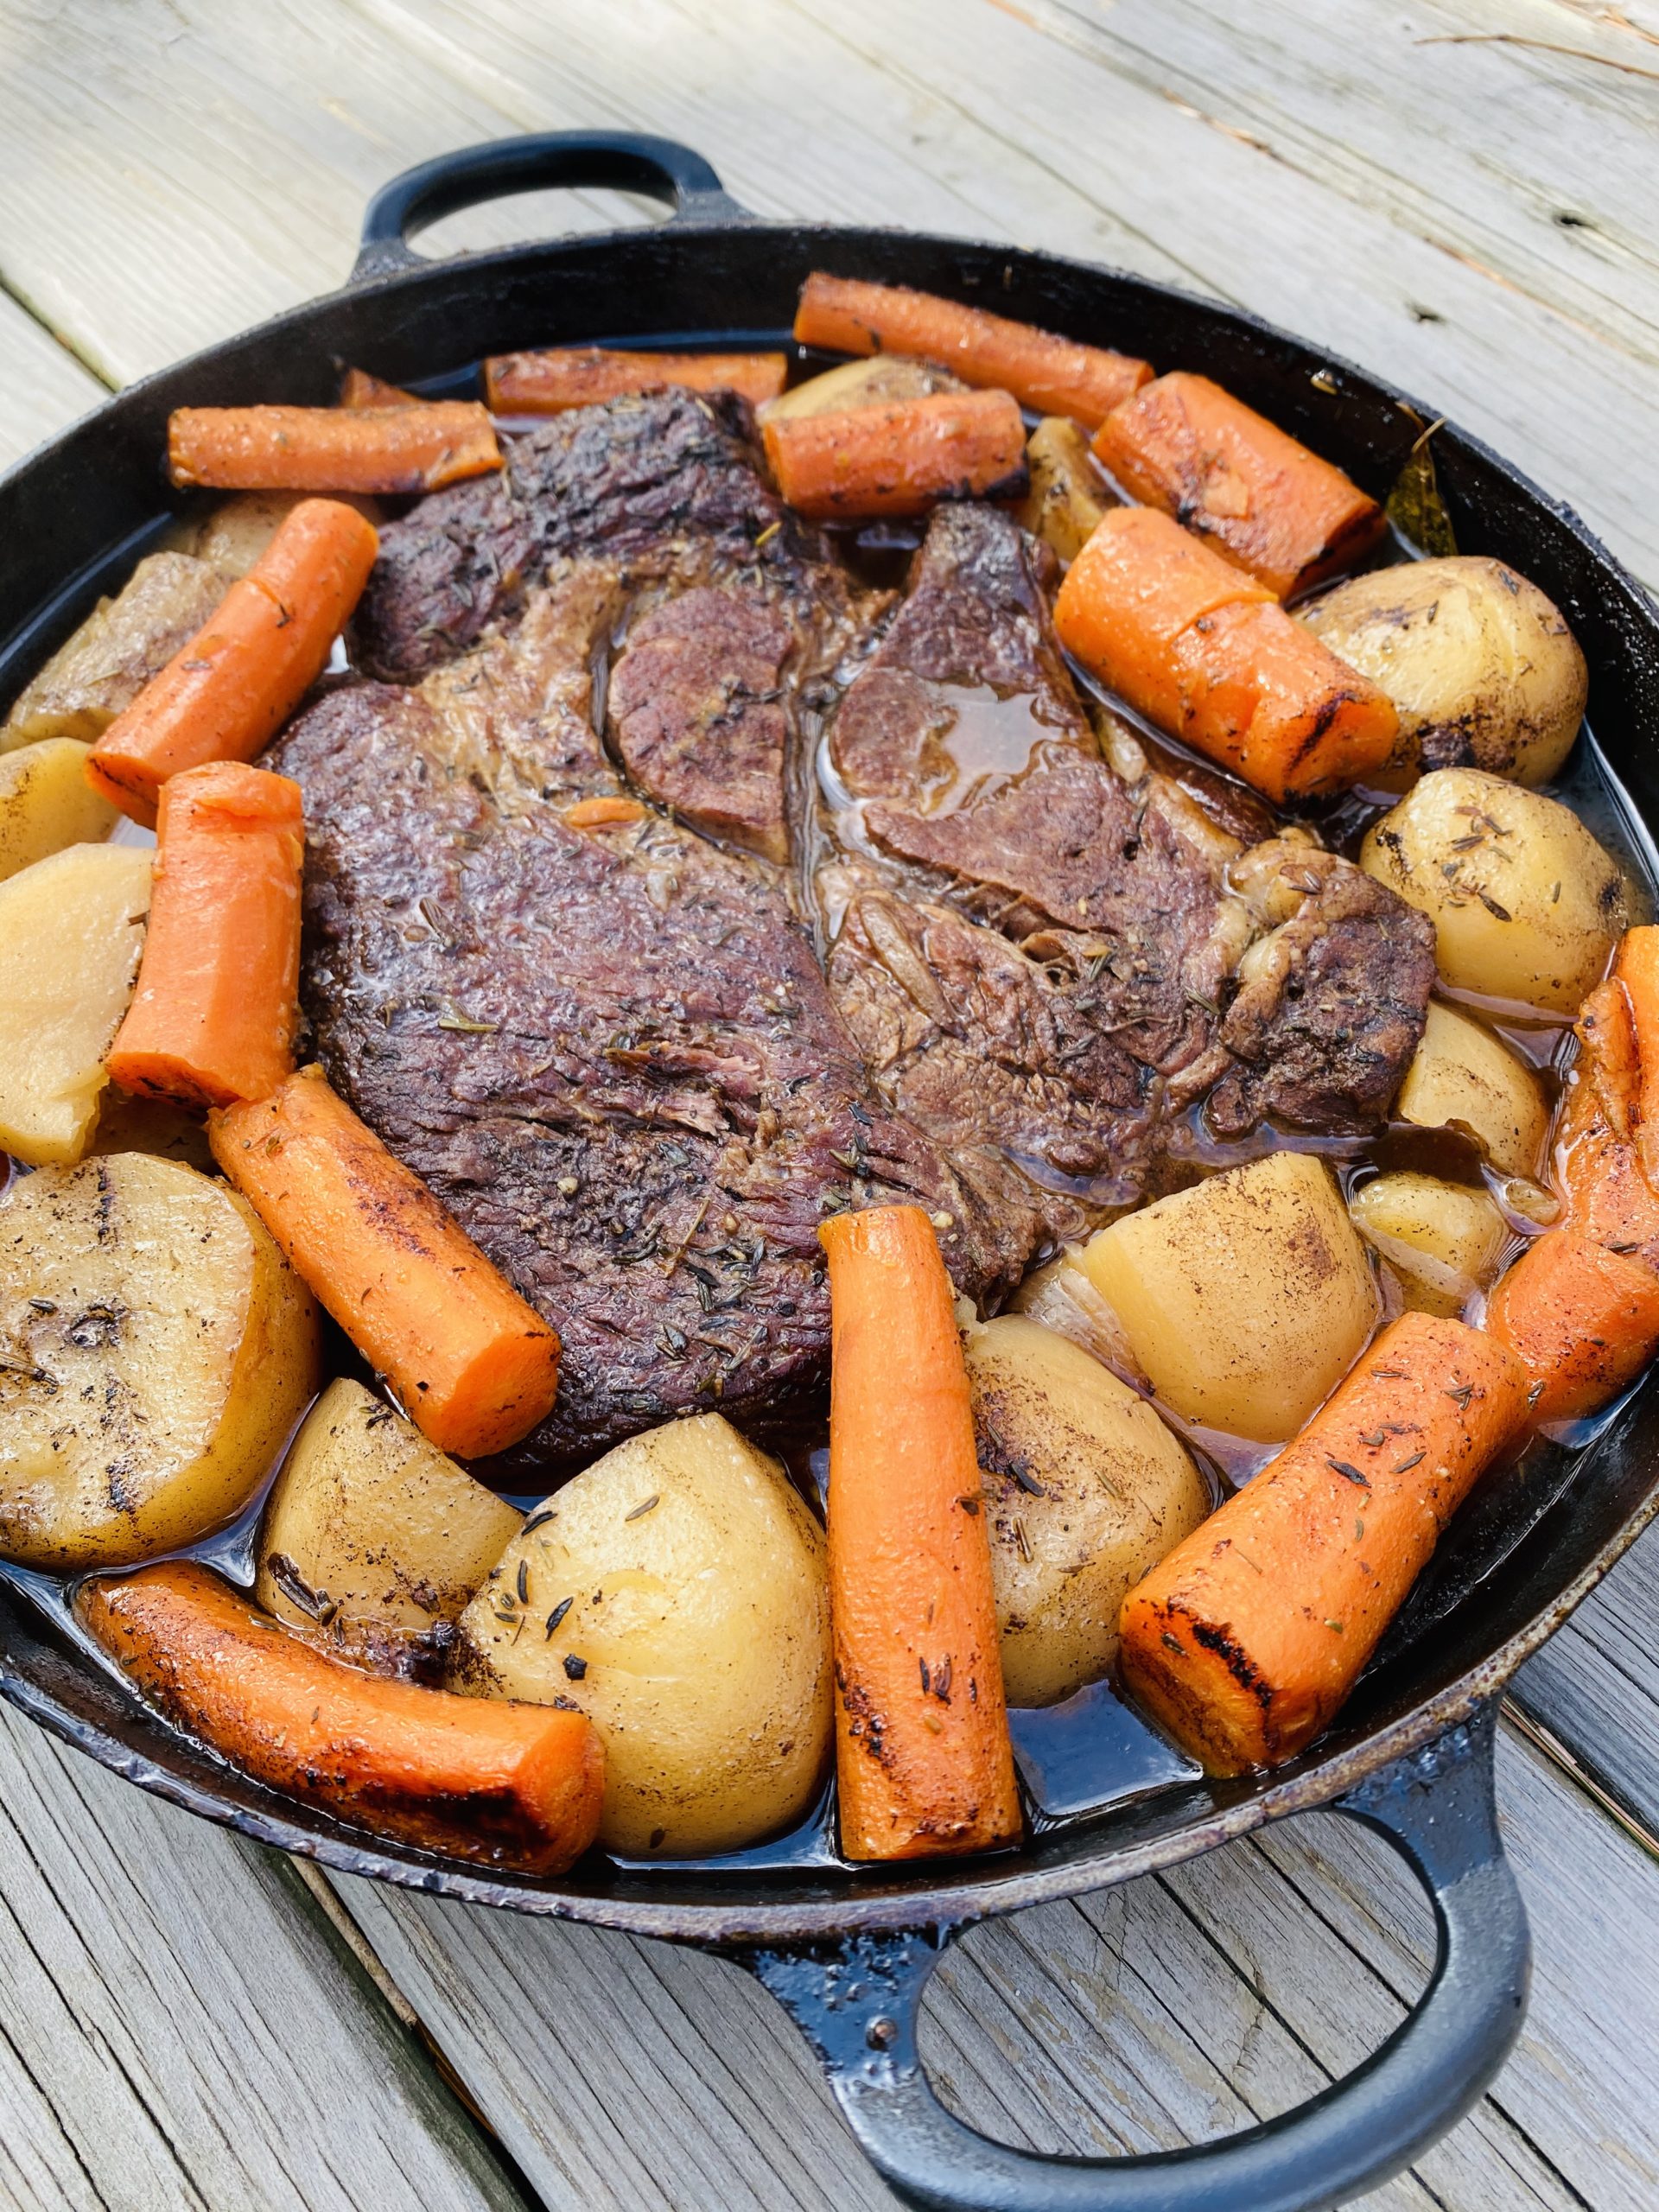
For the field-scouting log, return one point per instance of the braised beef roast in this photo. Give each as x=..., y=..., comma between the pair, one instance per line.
x=884, y=922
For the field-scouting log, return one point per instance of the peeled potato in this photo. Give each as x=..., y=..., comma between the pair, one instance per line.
x=1084, y=1491
x=1244, y=1300
x=1482, y=668
x=1068, y=493
x=373, y=1540
x=1443, y=1240
x=1526, y=905
x=1463, y=1078
x=46, y=802
x=156, y=1348
x=676, y=1594
x=72, y=930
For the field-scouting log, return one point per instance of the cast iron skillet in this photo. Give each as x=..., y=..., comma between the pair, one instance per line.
x=847, y=1952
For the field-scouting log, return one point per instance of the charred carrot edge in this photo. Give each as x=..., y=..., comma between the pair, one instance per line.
x=582, y=376
x=475, y=1366
x=1245, y=1640
x=359, y=389
x=1053, y=375
x=922, y=1751
x=417, y=448
x=509, y=1785
x=1191, y=642
x=1584, y=1320
x=898, y=460
x=1606, y=1034
x=604, y=813
x=1637, y=973
x=1186, y=446
x=217, y=1007
x=226, y=695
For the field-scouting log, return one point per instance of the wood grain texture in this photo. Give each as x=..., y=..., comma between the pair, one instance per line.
x=180, y=2027
x=623, y=2074
x=44, y=387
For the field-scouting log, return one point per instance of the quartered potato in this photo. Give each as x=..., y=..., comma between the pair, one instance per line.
x=154, y=1351
x=117, y=649
x=1084, y=1490
x=1068, y=493
x=233, y=536
x=46, y=802
x=127, y=1124
x=72, y=930
x=1463, y=1078
x=1244, y=1300
x=1481, y=667
x=373, y=1540
x=676, y=1594
x=882, y=381
x=1443, y=1240
x=1526, y=905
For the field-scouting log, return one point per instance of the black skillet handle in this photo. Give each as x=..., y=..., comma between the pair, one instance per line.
x=621, y=159
x=858, y=2008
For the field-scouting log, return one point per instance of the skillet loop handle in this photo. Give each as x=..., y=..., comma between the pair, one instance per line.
x=625, y=160
x=858, y=2006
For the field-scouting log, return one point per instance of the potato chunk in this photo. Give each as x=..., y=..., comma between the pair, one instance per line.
x=1244, y=1300
x=46, y=802
x=1085, y=1489
x=1443, y=1240
x=1464, y=1078
x=154, y=1350
x=71, y=928
x=373, y=1540
x=1481, y=667
x=1068, y=493
x=237, y=531
x=1526, y=905
x=120, y=645
x=882, y=381
x=676, y=1594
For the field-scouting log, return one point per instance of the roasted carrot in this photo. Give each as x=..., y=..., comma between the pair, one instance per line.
x=898, y=460
x=1190, y=641
x=359, y=389
x=922, y=1748
x=1607, y=1196
x=1608, y=1054
x=399, y=448
x=1584, y=1320
x=582, y=376
x=217, y=1007
x=1258, y=495
x=1056, y=375
x=511, y=1785
x=226, y=695
x=1245, y=1640
x=475, y=1367
x=1636, y=971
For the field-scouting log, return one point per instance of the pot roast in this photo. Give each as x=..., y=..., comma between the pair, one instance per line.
x=882, y=909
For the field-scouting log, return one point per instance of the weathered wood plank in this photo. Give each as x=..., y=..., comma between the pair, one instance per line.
x=42, y=387
x=623, y=2074
x=180, y=2025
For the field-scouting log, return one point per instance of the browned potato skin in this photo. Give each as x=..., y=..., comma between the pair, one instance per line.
x=234, y=536
x=882, y=381
x=1084, y=1490
x=1068, y=493
x=373, y=1542
x=117, y=650
x=1481, y=667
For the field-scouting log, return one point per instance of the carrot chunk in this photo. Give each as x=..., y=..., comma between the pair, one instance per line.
x=608, y=811
x=1258, y=495
x=1193, y=643
x=898, y=460
x=402, y=448
x=226, y=695
x=1245, y=1640
x=922, y=1746
x=582, y=376
x=1635, y=970
x=1053, y=375
x=359, y=389
x=475, y=1367
x=509, y=1785
x=1584, y=1320
x=214, y=1015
